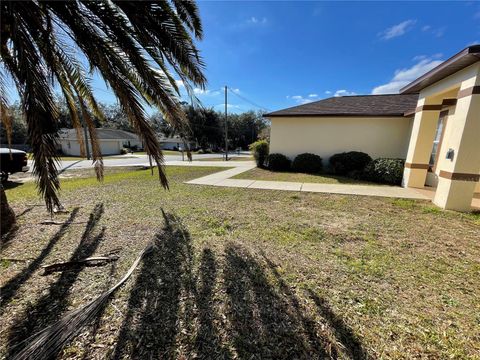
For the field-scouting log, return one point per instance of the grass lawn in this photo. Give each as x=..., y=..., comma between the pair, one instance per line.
x=263, y=174
x=244, y=273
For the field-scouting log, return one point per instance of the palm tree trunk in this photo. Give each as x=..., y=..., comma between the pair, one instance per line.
x=7, y=214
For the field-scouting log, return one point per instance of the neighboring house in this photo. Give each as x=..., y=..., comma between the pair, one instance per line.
x=434, y=123
x=111, y=141
x=175, y=143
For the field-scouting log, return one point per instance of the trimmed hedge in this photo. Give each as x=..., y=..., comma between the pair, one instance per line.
x=307, y=163
x=347, y=162
x=259, y=150
x=278, y=162
x=384, y=170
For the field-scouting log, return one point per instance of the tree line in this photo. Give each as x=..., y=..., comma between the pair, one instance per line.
x=206, y=126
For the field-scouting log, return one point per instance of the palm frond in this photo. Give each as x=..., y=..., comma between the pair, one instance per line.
x=139, y=49
x=47, y=343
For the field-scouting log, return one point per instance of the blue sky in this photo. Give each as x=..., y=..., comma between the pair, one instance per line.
x=280, y=54
x=284, y=53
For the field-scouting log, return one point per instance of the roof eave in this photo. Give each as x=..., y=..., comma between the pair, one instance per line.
x=334, y=115
x=469, y=55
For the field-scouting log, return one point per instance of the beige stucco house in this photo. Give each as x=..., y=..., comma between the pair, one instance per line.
x=434, y=124
x=111, y=141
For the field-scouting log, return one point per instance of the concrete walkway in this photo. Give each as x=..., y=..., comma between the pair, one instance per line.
x=223, y=178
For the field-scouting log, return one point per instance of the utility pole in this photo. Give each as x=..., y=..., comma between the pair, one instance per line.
x=226, y=126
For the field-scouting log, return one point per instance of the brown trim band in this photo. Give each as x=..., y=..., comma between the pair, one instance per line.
x=449, y=102
x=432, y=107
x=416, y=166
x=474, y=90
x=459, y=176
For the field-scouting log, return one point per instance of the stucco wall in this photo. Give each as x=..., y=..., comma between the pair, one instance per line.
x=325, y=136
x=107, y=147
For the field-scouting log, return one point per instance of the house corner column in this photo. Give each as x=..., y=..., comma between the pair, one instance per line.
x=421, y=142
x=459, y=175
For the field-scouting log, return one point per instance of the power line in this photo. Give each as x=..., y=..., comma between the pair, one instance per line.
x=247, y=100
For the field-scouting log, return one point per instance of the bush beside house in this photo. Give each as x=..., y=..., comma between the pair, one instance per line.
x=260, y=150
x=278, y=162
x=349, y=162
x=307, y=163
x=383, y=170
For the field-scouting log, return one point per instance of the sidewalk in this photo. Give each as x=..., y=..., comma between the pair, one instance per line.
x=222, y=178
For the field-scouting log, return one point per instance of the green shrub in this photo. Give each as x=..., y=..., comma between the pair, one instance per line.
x=259, y=150
x=383, y=170
x=278, y=162
x=307, y=163
x=124, y=151
x=347, y=162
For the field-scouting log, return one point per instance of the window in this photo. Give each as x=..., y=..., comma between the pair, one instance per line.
x=438, y=138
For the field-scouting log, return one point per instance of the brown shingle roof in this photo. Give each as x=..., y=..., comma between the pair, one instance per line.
x=359, y=105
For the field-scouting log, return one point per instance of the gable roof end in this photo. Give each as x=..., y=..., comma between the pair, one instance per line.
x=457, y=62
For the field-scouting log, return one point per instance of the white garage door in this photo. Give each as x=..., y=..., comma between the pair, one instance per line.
x=110, y=147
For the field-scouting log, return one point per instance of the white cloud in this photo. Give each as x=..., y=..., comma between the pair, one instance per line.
x=229, y=106
x=397, y=30
x=403, y=77
x=257, y=21
x=423, y=57
x=300, y=99
x=437, y=32
x=328, y=92
x=344, y=93
x=313, y=95
x=205, y=92
x=180, y=83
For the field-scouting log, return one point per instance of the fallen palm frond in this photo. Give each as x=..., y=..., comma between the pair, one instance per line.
x=90, y=261
x=49, y=341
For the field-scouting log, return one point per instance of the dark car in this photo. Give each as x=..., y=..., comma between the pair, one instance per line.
x=13, y=162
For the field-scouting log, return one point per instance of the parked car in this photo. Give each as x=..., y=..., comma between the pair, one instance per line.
x=13, y=162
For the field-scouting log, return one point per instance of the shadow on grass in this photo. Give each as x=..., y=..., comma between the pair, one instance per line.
x=342, y=331
x=11, y=184
x=150, y=326
x=52, y=305
x=270, y=321
x=208, y=342
x=238, y=307
x=11, y=287
x=241, y=308
x=264, y=322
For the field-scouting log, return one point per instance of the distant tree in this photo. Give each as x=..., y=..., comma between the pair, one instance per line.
x=115, y=118
x=245, y=128
x=18, y=127
x=205, y=127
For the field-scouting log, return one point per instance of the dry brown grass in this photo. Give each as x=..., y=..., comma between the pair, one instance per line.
x=244, y=273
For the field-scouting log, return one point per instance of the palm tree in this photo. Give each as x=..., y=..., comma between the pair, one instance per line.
x=137, y=47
